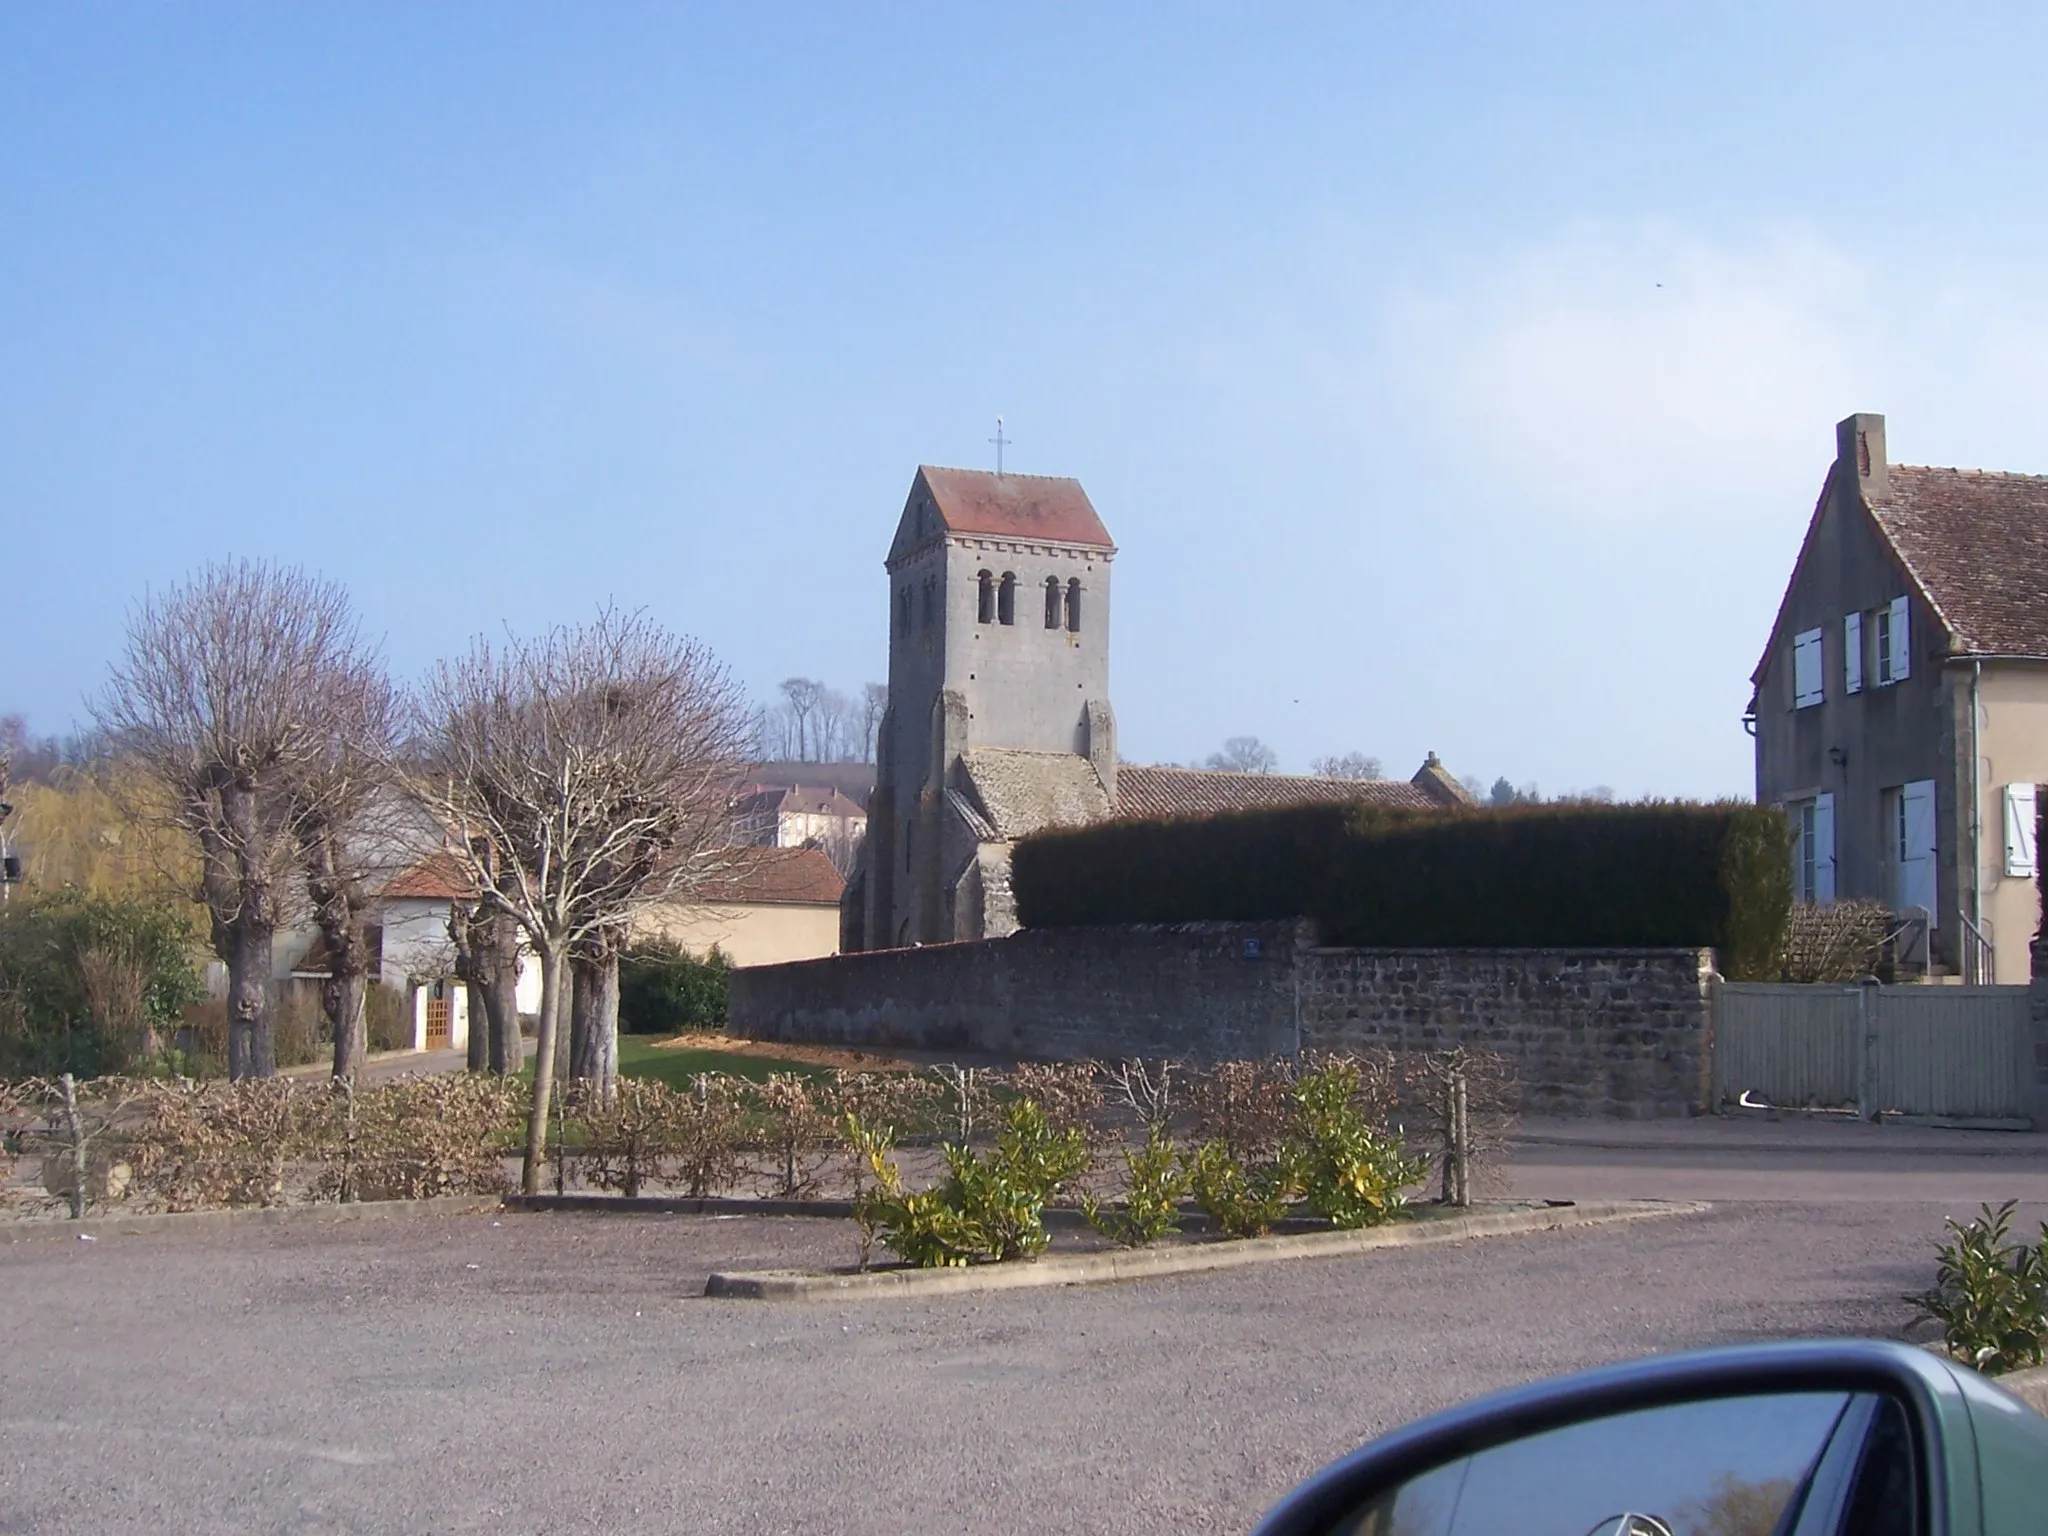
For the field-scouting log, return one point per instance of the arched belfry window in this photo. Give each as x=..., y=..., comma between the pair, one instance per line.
x=1006, y=599
x=1074, y=605
x=985, y=613
x=1052, y=602
x=931, y=602
x=903, y=612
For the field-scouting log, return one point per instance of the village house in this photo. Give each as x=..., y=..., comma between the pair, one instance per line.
x=1901, y=705
x=999, y=722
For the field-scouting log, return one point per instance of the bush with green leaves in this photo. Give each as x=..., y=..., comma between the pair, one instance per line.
x=1243, y=1199
x=1990, y=1293
x=1155, y=1183
x=988, y=1206
x=1347, y=1169
x=91, y=984
x=665, y=990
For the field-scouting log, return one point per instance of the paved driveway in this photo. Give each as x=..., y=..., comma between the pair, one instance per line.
x=562, y=1374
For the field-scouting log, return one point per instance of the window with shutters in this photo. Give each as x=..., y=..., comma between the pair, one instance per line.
x=1807, y=687
x=1852, y=653
x=2022, y=850
x=1813, y=853
x=1894, y=655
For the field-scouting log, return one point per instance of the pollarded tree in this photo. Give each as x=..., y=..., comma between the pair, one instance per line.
x=219, y=696
x=580, y=777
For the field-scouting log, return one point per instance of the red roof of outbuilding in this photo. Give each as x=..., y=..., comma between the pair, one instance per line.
x=438, y=877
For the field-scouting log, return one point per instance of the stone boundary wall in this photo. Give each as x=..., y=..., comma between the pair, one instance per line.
x=1622, y=1033
x=1210, y=991
x=1625, y=1033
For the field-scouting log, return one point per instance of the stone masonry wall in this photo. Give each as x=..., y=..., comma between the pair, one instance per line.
x=1624, y=1033
x=1205, y=991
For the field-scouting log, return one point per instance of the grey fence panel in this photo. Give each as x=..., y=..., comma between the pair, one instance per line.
x=1791, y=1045
x=1958, y=1051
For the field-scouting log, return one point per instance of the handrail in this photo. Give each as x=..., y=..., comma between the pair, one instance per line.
x=1980, y=956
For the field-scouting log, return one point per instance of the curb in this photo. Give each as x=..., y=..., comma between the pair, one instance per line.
x=1140, y=1263
x=1058, y=1218
x=27, y=1228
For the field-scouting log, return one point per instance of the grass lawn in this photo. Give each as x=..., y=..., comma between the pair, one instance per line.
x=640, y=1057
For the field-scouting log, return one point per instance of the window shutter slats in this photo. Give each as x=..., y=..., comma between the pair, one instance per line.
x=1824, y=849
x=2022, y=854
x=1852, y=653
x=1807, y=687
x=1902, y=650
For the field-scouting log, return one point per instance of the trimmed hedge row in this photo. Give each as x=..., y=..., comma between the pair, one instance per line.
x=1568, y=876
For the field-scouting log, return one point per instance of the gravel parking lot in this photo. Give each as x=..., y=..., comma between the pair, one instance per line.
x=561, y=1373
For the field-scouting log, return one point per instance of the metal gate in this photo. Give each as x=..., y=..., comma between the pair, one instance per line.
x=1956, y=1052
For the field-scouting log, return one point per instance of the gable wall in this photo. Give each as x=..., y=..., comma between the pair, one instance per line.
x=1889, y=735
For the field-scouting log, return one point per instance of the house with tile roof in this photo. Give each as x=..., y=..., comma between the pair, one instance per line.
x=801, y=816
x=999, y=722
x=1901, y=704
x=766, y=906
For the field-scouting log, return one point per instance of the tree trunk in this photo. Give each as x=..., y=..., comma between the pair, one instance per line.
x=553, y=965
x=594, y=1019
x=344, y=996
x=479, y=1044
x=251, y=999
x=501, y=1001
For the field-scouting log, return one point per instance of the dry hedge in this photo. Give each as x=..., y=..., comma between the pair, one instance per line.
x=181, y=1145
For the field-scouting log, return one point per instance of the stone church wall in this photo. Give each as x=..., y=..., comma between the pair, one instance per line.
x=1625, y=1033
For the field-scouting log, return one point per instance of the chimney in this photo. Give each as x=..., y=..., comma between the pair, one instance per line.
x=1859, y=453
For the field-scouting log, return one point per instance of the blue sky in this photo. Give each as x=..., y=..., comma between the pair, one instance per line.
x=1450, y=377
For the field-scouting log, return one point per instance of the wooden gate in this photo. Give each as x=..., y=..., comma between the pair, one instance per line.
x=437, y=1023
x=1949, y=1052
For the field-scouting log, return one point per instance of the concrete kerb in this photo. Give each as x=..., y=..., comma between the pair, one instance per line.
x=31, y=1227
x=1141, y=1263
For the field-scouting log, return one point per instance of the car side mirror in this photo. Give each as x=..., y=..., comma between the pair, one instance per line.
x=1824, y=1439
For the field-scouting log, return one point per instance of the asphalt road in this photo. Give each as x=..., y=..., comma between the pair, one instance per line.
x=544, y=1373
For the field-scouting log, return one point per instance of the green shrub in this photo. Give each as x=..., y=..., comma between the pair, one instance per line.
x=1579, y=875
x=91, y=984
x=1243, y=1200
x=1990, y=1293
x=1346, y=1170
x=989, y=1206
x=665, y=990
x=1155, y=1183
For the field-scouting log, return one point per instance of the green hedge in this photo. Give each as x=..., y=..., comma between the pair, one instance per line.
x=664, y=990
x=1572, y=876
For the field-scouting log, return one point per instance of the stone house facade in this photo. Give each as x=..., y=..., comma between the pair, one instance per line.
x=1901, y=705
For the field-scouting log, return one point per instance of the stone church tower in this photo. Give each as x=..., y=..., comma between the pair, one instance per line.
x=998, y=699
x=999, y=723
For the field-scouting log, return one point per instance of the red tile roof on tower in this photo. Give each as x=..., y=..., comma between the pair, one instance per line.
x=1043, y=508
x=1977, y=543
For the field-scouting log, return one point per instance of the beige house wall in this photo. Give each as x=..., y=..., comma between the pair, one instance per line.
x=2012, y=749
x=764, y=933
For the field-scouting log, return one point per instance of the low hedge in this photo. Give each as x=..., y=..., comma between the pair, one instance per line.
x=1651, y=876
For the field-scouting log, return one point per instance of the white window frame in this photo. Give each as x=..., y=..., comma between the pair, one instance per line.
x=1894, y=643
x=2022, y=853
x=1809, y=682
x=1813, y=851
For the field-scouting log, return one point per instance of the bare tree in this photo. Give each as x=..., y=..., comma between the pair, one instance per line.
x=486, y=940
x=344, y=823
x=1245, y=754
x=874, y=702
x=1352, y=765
x=800, y=696
x=219, y=697
x=834, y=724
x=580, y=777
